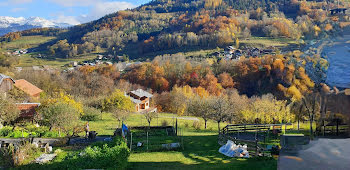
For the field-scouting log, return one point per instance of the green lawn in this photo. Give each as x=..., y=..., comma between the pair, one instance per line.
x=267, y=41
x=28, y=60
x=200, y=147
x=27, y=42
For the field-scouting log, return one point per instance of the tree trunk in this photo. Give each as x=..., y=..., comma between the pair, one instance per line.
x=311, y=130
x=298, y=124
x=205, y=124
x=219, y=127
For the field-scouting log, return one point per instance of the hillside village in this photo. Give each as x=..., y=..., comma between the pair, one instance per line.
x=180, y=84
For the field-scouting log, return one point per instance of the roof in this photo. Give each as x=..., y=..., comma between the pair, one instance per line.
x=141, y=93
x=27, y=109
x=3, y=77
x=27, y=87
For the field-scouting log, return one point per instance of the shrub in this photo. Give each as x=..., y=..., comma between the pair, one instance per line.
x=90, y=114
x=187, y=125
x=15, y=156
x=165, y=123
x=6, y=130
x=112, y=155
x=196, y=125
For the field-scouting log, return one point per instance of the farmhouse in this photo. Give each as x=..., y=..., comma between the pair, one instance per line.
x=28, y=110
x=141, y=99
x=6, y=83
x=28, y=88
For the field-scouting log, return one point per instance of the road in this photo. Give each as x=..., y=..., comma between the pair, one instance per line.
x=322, y=154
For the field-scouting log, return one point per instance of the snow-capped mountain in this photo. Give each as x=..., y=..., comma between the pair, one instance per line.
x=12, y=24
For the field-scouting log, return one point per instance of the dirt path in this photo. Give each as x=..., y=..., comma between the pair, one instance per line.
x=322, y=154
x=183, y=118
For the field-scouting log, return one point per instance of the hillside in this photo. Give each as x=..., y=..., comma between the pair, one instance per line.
x=189, y=25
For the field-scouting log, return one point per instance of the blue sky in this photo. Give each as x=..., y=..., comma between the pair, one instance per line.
x=65, y=11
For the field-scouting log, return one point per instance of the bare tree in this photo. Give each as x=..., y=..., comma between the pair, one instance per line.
x=312, y=103
x=222, y=110
x=201, y=107
x=121, y=115
x=150, y=116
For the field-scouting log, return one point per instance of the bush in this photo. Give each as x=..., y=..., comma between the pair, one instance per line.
x=111, y=155
x=6, y=130
x=196, y=125
x=187, y=125
x=90, y=114
x=16, y=156
x=165, y=123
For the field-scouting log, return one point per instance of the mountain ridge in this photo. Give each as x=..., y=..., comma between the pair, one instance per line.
x=13, y=24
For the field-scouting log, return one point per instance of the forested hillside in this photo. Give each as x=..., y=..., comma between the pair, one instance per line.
x=185, y=24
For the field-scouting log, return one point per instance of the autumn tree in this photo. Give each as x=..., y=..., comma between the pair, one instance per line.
x=226, y=80
x=267, y=109
x=60, y=115
x=117, y=101
x=8, y=111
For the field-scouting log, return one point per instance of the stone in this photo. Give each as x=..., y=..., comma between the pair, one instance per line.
x=44, y=158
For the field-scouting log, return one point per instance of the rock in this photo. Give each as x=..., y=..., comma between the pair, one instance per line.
x=44, y=158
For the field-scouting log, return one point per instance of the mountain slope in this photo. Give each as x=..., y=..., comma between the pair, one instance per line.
x=11, y=24
x=163, y=25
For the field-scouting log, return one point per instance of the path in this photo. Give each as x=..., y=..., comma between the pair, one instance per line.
x=183, y=118
x=322, y=154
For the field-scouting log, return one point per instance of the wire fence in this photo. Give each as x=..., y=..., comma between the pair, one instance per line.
x=149, y=140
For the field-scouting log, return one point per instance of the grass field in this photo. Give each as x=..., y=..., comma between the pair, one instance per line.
x=199, y=151
x=200, y=147
x=27, y=42
x=28, y=60
x=266, y=41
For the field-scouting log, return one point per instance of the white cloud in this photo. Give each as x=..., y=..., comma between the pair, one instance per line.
x=98, y=9
x=104, y=8
x=71, y=20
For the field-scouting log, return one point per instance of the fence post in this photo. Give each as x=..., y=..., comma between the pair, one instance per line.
x=131, y=142
x=147, y=140
x=182, y=139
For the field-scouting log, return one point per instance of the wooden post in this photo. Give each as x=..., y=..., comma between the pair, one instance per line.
x=182, y=139
x=147, y=140
x=176, y=126
x=130, y=141
x=337, y=127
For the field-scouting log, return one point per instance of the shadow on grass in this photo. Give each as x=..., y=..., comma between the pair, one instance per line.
x=200, y=152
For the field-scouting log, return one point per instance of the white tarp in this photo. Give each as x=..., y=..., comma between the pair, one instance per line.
x=232, y=150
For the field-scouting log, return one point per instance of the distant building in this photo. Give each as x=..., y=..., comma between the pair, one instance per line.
x=141, y=99
x=74, y=63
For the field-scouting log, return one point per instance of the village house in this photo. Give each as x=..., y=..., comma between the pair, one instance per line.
x=141, y=99
x=6, y=84
x=28, y=111
x=28, y=88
